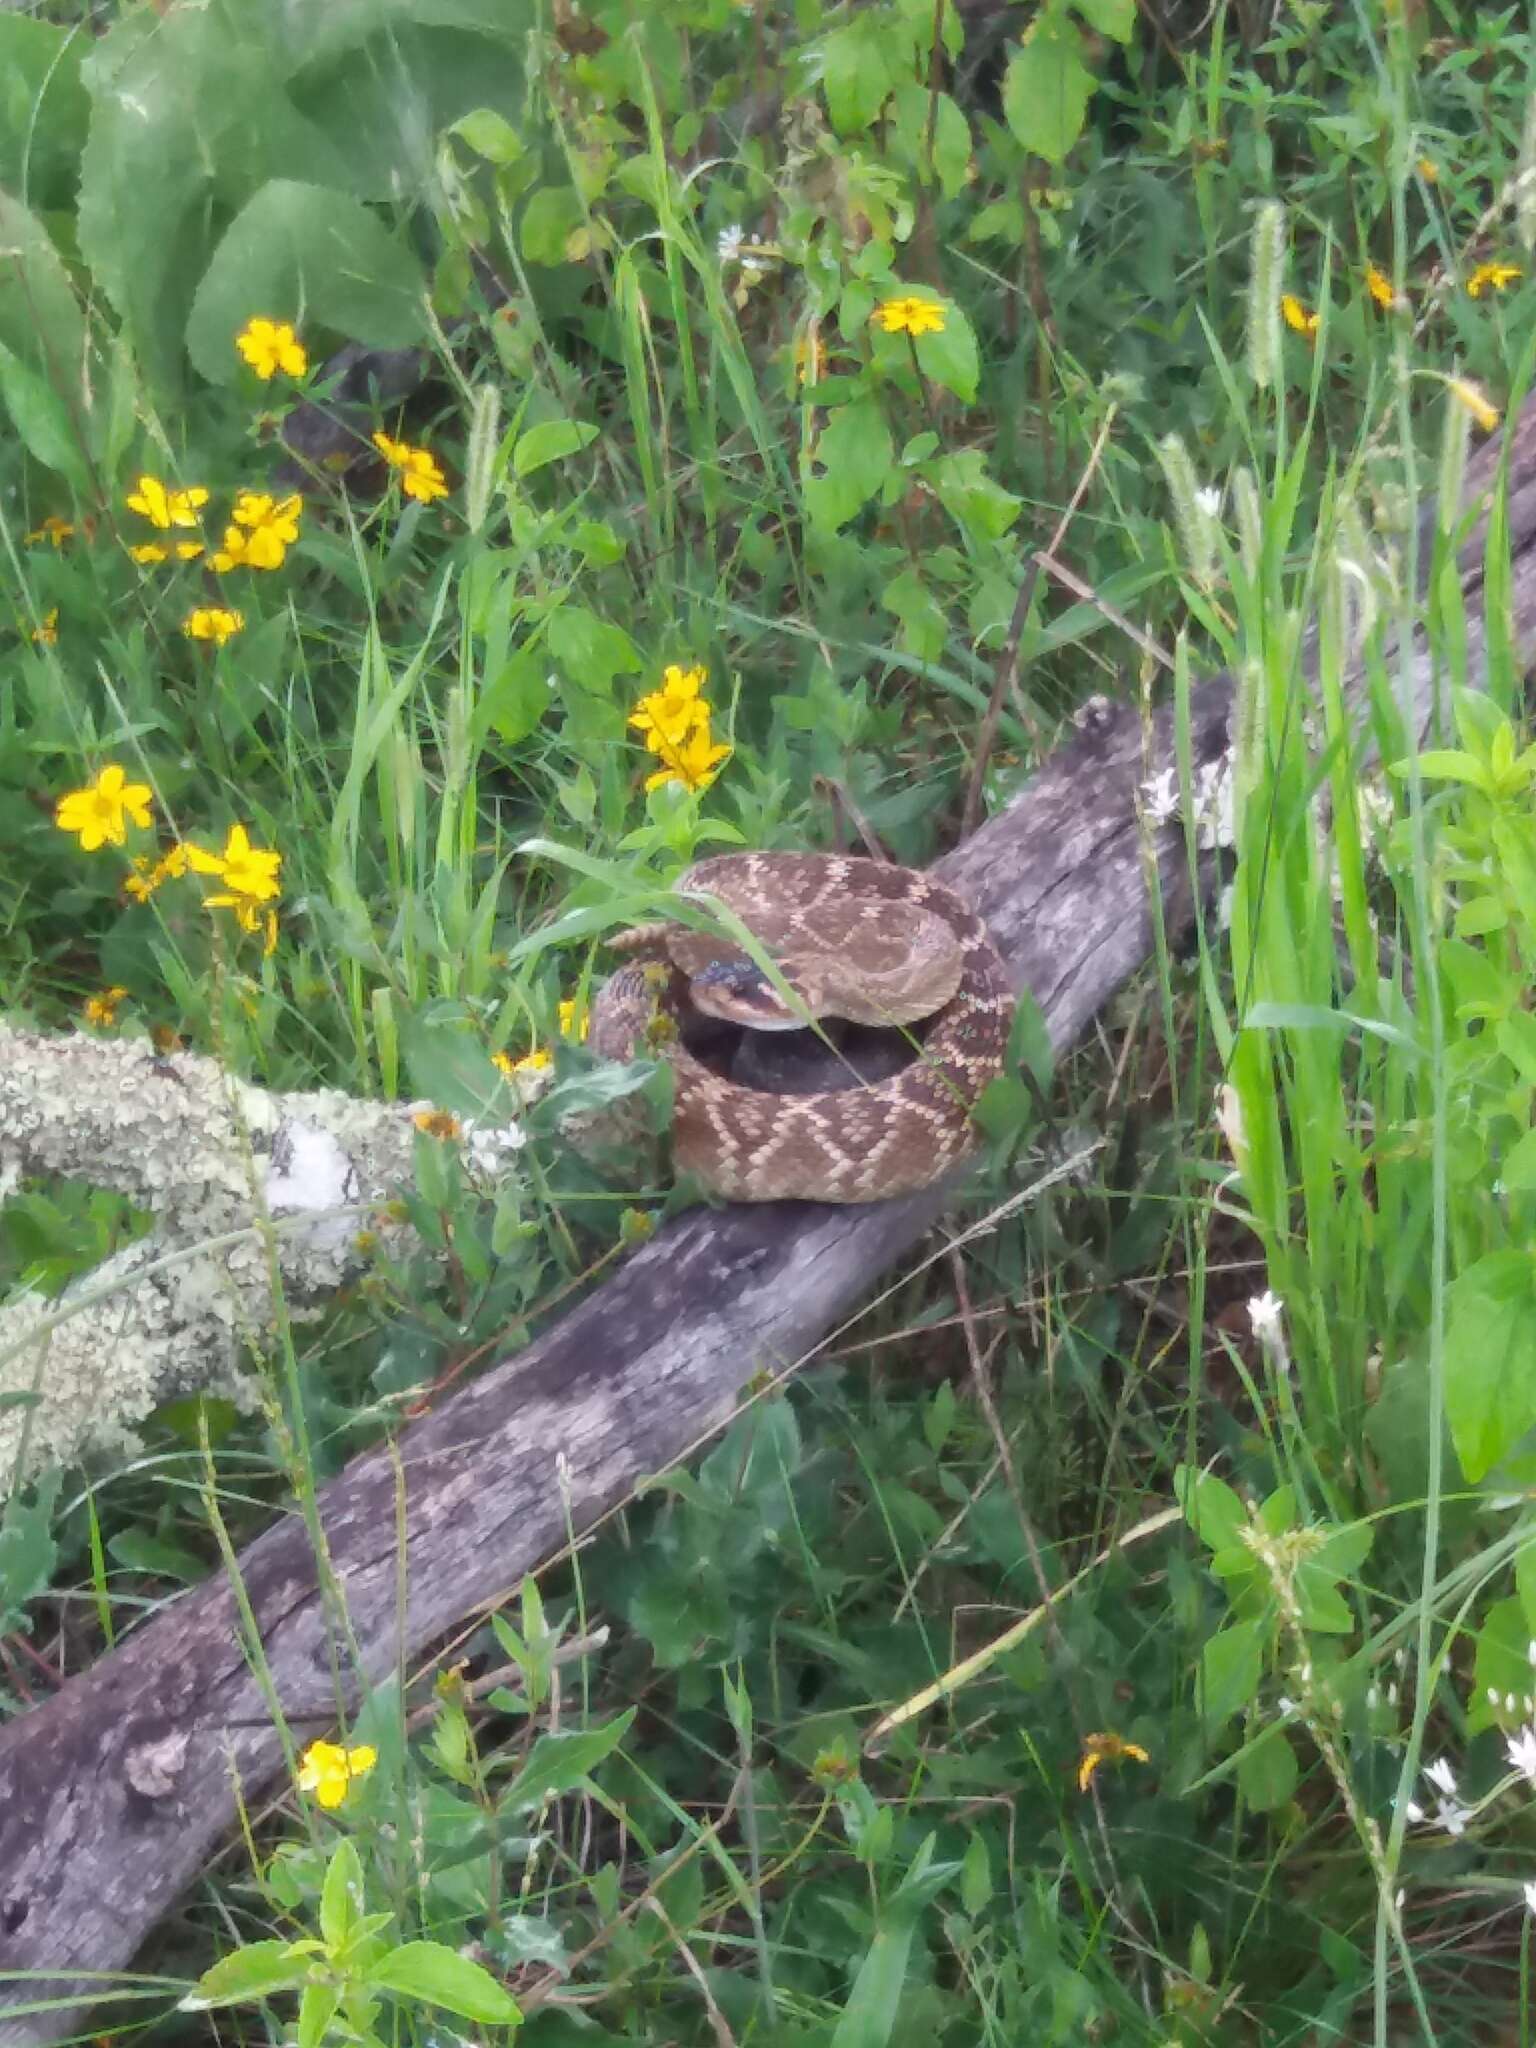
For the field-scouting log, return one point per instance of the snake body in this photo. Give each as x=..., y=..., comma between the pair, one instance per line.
x=859, y=940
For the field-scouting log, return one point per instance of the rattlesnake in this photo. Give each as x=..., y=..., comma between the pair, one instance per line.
x=861, y=940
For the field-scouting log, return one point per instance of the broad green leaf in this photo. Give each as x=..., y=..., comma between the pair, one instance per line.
x=305, y=251
x=549, y=441
x=1267, y=1771
x=1446, y=764
x=551, y=217
x=1490, y=1358
x=591, y=650
x=951, y=358
x=40, y=319
x=43, y=109
x=490, y=135
x=441, y=1976
x=317, y=2008
x=1231, y=1665
x=1211, y=1508
x=1503, y=1642
x=556, y=1763
x=870, y=2017
x=1115, y=18
x=975, y=501
x=42, y=419
x=1047, y=87
x=251, y=1973
x=1516, y=1039
x=1519, y=1168
x=341, y=1896
x=28, y=1553
x=857, y=72
x=515, y=699
x=854, y=454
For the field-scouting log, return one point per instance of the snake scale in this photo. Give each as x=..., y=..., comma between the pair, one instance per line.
x=859, y=940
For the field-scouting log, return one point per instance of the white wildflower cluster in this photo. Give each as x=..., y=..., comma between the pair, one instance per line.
x=733, y=248
x=1213, y=802
x=1449, y=1811
x=236, y=1179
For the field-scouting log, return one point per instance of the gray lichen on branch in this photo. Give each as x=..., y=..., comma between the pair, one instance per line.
x=243, y=1185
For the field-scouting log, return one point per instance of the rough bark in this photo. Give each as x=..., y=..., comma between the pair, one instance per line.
x=113, y=1794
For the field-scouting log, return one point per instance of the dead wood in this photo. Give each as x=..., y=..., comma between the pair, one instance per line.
x=114, y=1793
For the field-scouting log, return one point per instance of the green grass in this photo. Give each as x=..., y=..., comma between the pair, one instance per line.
x=980, y=1471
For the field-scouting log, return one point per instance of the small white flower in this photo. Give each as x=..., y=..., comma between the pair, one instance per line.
x=1264, y=1312
x=1453, y=1816
x=1509, y=1703
x=1286, y=1705
x=1521, y=1751
x=1530, y=1653
x=1529, y=1891
x=1414, y=1811
x=1493, y=1696
x=1441, y=1776
x=1208, y=498
x=728, y=244
x=1372, y=1698
x=1160, y=797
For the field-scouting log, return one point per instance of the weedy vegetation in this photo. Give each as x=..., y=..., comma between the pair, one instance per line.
x=761, y=344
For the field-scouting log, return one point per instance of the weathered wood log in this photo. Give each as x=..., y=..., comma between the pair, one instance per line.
x=113, y=1793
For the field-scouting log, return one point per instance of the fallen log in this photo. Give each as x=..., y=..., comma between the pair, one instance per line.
x=114, y=1793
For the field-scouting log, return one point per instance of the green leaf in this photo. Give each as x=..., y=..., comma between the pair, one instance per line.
x=951, y=358
x=556, y=1763
x=1047, y=87
x=251, y=1973
x=441, y=1976
x=1113, y=18
x=40, y=318
x=857, y=72
x=42, y=419
x=341, y=1895
x=874, y=2003
x=43, y=109
x=854, y=453
x=515, y=699
x=590, y=650
x=1519, y=1168
x=976, y=1873
x=1211, y=1508
x=552, y=215
x=1231, y=1665
x=550, y=441
x=317, y=2008
x=1490, y=1358
x=305, y=250
x=490, y=135
x=1516, y=1039
x=1267, y=1771
x=1446, y=764
x=28, y=1553
x=975, y=501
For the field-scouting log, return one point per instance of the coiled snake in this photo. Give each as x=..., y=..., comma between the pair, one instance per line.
x=859, y=940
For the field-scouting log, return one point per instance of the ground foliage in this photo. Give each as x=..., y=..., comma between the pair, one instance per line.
x=764, y=340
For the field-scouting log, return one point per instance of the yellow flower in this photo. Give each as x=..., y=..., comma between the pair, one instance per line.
x=47, y=634
x=1106, y=1749
x=1428, y=170
x=151, y=551
x=1379, y=285
x=277, y=516
x=438, y=1123
x=271, y=345
x=245, y=870
x=53, y=529
x=693, y=761
x=910, y=316
x=1476, y=401
x=148, y=875
x=164, y=507
x=1296, y=316
x=102, y=1008
x=537, y=1062
x=327, y=1770
x=669, y=714
x=96, y=814
x=212, y=622
x=574, y=1021
x=420, y=476
x=1496, y=277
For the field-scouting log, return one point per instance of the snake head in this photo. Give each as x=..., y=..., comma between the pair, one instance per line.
x=737, y=991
